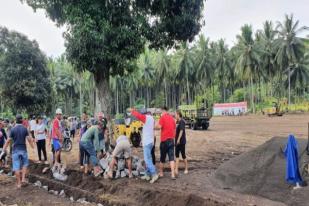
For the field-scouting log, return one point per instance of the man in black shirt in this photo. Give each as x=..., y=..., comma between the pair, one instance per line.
x=180, y=142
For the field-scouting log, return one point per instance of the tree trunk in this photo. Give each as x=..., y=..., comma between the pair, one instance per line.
x=252, y=95
x=289, y=76
x=80, y=97
x=71, y=103
x=165, y=91
x=188, y=90
x=103, y=102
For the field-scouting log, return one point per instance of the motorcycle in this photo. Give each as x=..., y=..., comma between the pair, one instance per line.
x=67, y=142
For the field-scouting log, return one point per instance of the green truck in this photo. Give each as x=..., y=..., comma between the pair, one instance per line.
x=197, y=116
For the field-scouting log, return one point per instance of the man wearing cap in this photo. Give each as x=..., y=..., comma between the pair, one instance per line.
x=148, y=142
x=56, y=136
x=90, y=143
x=18, y=135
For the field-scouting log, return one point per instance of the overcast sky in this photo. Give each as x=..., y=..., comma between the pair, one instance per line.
x=223, y=19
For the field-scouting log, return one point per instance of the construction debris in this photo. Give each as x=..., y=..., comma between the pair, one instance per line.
x=38, y=184
x=59, y=173
x=62, y=194
x=121, y=171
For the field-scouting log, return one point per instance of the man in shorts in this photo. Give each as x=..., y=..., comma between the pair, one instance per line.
x=56, y=137
x=123, y=147
x=18, y=135
x=167, y=125
x=180, y=142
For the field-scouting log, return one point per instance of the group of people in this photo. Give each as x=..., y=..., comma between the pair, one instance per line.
x=94, y=140
x=172, y=143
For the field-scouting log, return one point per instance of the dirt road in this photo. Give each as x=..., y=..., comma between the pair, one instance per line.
x=206, y=150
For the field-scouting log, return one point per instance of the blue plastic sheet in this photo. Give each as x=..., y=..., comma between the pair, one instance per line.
x=291, y=154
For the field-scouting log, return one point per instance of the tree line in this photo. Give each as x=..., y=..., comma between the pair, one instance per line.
x=267, y=65
x=263, y=66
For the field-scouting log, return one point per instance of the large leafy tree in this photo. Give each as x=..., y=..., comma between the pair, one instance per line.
x=103, y=36
x=24, y=79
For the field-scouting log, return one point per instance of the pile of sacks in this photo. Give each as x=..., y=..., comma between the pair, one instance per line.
x=138, y=166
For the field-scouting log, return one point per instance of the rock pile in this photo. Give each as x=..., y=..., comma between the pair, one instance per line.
x=121, y=171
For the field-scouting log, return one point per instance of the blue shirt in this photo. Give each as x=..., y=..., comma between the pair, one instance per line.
x=18, y=135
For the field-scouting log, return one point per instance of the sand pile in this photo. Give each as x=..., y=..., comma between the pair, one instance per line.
x=261, y=172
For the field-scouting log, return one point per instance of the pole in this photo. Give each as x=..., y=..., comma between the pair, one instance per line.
x=80, y=96
x=289, y=86
x=308, y=141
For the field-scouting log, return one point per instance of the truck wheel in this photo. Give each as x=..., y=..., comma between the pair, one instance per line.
x=205, y=126
x=193, y=126
x=136, y=139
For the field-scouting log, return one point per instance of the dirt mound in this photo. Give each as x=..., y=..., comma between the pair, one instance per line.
x=261, y=172
x=118, y=192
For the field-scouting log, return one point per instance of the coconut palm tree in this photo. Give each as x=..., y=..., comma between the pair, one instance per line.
x=203, y=62
x=266, y=43
x=247, y=62
x=147, y=69
x=186, y=73
x=163, y=68
x=290, y=48
x=222, y=65
x=299, y=76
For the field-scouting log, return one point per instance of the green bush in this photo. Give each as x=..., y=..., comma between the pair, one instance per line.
x=238, y=95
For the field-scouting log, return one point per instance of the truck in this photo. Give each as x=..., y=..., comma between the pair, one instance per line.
x=197, y=116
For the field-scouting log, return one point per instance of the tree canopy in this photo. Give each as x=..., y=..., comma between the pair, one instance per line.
x=103, y=36
x=24, y=78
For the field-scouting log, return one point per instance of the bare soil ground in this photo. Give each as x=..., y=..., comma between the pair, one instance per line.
x=226, y=138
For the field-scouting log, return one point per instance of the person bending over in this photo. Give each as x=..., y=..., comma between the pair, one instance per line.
x=90, y=143
x=123, y=146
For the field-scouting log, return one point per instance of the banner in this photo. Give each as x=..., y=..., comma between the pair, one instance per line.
x=230, y=109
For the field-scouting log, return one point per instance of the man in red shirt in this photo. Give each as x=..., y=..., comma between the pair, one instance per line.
x=167, y=125
x=56, y=137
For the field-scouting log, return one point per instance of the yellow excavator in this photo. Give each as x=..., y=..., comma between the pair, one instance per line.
x=129, y=126
x=275, y=110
